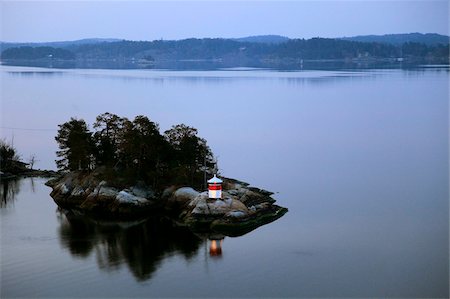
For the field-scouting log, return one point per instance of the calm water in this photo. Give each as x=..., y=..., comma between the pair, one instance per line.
x=360, y=158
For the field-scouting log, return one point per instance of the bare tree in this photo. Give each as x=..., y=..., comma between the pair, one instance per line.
x=32, y=160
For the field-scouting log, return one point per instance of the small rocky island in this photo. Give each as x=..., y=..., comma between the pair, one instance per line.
x=127, y=170
x=241, y=208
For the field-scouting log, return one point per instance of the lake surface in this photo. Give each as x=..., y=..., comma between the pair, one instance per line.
x=360, y=158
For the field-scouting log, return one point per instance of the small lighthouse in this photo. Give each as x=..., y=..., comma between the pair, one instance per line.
x=215, y=187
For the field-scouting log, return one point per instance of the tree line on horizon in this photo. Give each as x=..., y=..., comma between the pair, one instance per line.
x=33, y=53
x=228, y=49
x=135, y=150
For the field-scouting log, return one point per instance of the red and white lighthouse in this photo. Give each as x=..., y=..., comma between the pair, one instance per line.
x=215, y=187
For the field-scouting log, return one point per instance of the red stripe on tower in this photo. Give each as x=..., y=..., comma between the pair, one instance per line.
x=215, y=187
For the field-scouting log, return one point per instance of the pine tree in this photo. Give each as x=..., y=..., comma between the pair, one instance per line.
x=76, y=146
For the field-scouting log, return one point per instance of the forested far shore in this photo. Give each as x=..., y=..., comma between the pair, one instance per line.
x=236, y=51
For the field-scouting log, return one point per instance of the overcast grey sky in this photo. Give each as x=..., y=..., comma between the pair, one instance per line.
x=148, y=20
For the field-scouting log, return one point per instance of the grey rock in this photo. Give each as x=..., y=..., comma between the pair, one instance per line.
x=142, y=192
x=236, y=214
x=125, y=196
x=186, y=193
x=77, y=191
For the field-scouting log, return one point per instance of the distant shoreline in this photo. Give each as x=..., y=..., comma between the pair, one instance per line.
x=264, y=51
x=215, y=64
x=4, y=177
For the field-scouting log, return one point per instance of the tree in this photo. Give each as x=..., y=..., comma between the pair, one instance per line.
x=148, y=141
x=191, y=153
x=8, y=155
x=143, y=147
x=177, y=134
x=137, y=142
x=109, y=127
x=76, y=146
x=31, y=161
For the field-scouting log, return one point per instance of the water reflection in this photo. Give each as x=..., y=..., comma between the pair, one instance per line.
x=215, y=247
x=140, y=245
x=206, y=65
x=163, y=77
x=39, y=73
x=316, y=77
x=8, y=191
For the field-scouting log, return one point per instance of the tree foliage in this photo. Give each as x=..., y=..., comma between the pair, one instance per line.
x=76, y=147
x=191, y=152
x=217, y=48
x=37, y=53
x=107, y=136
x=233, y=50
x=135, y=148
x=8, y=156
x=425, y=47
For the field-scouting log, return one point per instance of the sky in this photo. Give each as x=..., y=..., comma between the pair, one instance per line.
x=38, y=21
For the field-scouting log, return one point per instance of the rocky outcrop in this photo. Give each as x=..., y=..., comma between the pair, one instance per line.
x=86, y=193
x=241, y=209
x=178, y=199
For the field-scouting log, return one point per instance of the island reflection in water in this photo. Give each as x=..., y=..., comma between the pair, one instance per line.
x=140, y=245
x=8, y=191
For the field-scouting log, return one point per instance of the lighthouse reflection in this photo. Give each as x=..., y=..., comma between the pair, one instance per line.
x=215, y=247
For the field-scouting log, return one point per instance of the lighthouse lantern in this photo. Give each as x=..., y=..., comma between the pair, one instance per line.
x=215, y=187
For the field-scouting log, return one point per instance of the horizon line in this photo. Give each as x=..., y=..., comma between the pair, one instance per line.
x=180, y=39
